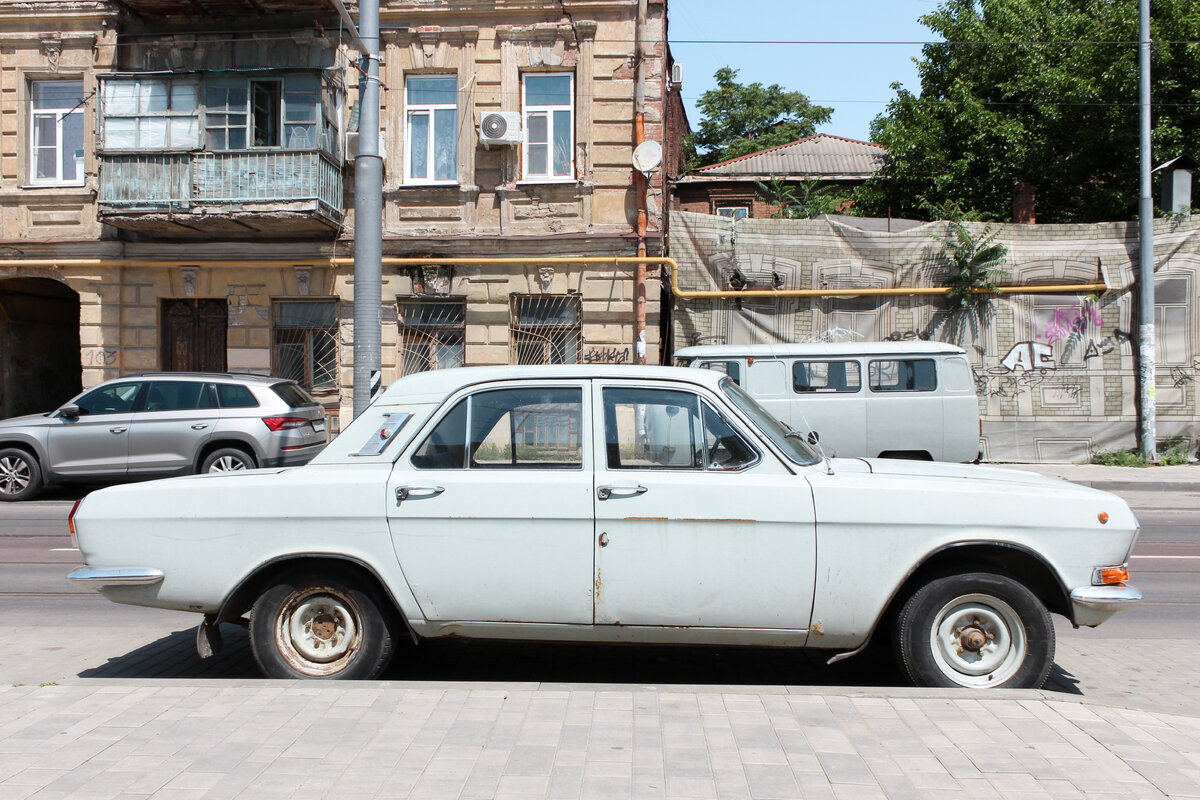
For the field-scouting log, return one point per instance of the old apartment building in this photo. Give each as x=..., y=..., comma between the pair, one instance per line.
x=176, y=187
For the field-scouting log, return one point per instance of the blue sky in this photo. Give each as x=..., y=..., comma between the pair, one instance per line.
x=852, y=79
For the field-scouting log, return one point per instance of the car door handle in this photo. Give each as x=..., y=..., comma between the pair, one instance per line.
x=199, y=426
x=605, y=492
x=118, y=429
x=413, y=492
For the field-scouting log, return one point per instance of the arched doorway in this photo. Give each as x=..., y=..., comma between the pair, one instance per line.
x=39, y=345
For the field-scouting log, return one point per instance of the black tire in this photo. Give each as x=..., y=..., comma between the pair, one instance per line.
x=228, y=459
x=20, y=475
x=320, y=625
x=978, y=630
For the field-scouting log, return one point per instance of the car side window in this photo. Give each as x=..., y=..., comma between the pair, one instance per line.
x=826, y=376
x=231, y=395
x=731, y=368
x=669, y=429
x=903, y=375
x=115, y=399
x=176, y=396
x=534, y=428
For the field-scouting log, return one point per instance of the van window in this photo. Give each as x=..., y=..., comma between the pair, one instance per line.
x=731, y=368
x=903, y=375
x=826, y=376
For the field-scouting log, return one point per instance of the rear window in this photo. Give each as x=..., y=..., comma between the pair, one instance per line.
x=293, y=395
x=230, y=395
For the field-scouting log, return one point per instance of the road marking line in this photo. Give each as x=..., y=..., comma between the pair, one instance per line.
x=1165, y=557
x=76, y=550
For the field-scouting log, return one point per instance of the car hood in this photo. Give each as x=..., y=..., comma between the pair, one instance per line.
x=938, y=469
x=26, y=421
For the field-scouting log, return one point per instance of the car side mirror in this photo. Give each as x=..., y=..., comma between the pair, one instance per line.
x=813, y=437
x=69, y=411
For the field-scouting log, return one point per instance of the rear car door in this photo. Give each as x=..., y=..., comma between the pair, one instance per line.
x=174, y=422
x=491, y=510
x=96, y=443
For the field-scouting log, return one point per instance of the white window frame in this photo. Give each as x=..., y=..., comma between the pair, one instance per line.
x=428, y=110
x=60, y=115
x=529, y=111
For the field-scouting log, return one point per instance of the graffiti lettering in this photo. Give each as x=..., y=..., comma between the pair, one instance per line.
x=1028, y=356
x=1184, y=375
x=98, y=358
x=905, y=336
x=1107, y=345
x=1064, y=324
x=606, y=355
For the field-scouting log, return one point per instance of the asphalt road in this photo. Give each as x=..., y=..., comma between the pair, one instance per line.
x=78, y=633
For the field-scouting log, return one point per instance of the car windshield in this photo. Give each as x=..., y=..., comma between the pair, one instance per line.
x=790, y=442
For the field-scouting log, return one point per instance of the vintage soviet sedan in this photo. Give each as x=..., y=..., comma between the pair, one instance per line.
x=613, y=504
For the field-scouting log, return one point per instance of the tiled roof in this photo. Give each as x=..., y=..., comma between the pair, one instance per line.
x=819, y=156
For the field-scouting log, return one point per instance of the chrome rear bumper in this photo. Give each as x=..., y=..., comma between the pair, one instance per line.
x=122, y=576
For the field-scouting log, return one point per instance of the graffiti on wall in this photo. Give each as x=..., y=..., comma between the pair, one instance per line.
x=1024, y=368
x=1180, y=376
x=606, y=355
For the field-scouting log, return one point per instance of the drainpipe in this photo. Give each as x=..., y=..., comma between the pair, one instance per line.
x=640, y=181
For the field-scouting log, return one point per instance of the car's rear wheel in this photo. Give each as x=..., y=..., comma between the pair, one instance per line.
x=20, y=475
x=228, y=459
x=977, y=629
x=319, y=625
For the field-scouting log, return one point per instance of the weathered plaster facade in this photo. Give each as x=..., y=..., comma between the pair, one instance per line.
x=126, y=263
x=1056, y=373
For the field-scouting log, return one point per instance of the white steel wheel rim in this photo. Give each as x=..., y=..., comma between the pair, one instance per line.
x=958, y=628
x=317, y=631
x=227, y=464
x=14, y=474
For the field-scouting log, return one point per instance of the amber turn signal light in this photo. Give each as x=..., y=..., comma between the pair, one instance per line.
x=1114, y=575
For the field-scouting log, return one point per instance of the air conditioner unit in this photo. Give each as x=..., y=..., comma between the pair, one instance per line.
x=500, y=127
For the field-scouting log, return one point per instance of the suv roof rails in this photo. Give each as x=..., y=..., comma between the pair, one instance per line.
x=187, y=374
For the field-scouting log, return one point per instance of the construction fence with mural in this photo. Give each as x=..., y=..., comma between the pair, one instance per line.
x=1055, y=366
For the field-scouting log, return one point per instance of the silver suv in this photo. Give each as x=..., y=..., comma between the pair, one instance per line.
x=156, y=425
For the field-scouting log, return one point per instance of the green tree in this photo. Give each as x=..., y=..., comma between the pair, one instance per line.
x=737, y=119
x=1042, y=92
x=801, y=199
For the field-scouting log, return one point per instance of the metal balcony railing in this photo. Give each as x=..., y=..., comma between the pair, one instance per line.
x=148, y=182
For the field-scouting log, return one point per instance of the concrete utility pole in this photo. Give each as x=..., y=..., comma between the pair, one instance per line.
x=1146, y=247
x=368, y=213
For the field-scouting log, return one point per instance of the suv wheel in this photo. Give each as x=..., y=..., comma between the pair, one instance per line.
x=20, y=475
x=228, y=459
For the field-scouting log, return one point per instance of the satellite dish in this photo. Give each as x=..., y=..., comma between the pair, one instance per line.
x=647, y=156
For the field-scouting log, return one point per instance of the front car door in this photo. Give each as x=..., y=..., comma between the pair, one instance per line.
x=96, y=443
x=697, y=524
x=491, y=510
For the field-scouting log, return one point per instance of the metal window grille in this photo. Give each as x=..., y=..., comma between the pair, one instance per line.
x=545, y=329
x=305, y=336
x=432, y=334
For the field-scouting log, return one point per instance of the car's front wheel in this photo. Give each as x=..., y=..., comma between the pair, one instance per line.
x=318, y=625
x=20, y=475
x=977, y=629
x=227, y=459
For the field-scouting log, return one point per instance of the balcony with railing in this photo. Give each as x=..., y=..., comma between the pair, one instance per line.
x=284, y=191
x=222, y=154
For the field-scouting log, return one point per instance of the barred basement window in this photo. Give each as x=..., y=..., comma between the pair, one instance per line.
x=305, y=342
x=545, y=329
x=432, y=333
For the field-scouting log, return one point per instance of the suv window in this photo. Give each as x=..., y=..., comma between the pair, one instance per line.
x=115, y=399
x=826, y=376
x=293, y=395
x=905, y=375
x=177, y=396
x=509, y=428
x=231, y=395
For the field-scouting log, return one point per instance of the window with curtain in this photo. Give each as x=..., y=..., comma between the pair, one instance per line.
x=432, y=334
x=547, y=100
x=56, y=132
x=431, y=130
x=151, y=113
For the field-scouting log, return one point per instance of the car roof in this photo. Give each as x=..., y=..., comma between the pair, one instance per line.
x=905, y=347
x=226, y=377
x=432, y=386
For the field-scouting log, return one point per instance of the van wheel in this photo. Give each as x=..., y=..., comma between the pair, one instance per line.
x=978, y=630
x=20, y=475
x=228, y=459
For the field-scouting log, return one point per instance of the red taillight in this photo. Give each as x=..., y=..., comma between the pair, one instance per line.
x=285, y=423
x=71, y=521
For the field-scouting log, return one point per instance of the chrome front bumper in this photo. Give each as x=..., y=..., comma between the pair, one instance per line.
x=1115, y=597
x=123, y=576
